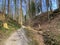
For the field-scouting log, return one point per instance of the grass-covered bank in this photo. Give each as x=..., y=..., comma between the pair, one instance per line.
x=30, y=35
x=5, y=33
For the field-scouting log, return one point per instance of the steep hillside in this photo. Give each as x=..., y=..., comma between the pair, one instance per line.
x=51, y=30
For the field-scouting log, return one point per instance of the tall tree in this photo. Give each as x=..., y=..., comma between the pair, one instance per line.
x=32, y=9
x=20, y=20
x=15, y=10
x=50, y=5
x=59, y=4
x=29, y=12
x=41, y=5
x=47, y=5
x=38, y=6
x=5, y=25
x=8, y=8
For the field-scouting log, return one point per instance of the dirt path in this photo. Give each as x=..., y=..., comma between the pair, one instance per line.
x=19, y=38
x=37, y=36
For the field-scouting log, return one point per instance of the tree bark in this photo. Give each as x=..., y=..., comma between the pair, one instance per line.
x=20, y=21
x=5, y=25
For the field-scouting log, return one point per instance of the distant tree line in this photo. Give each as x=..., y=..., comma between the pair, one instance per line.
x=31, y=9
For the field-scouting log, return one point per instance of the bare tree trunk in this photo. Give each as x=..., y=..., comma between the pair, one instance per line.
x=41, y=5
x=51, y=6
x=29, y=14
x=47, y=4
x=5, y=25
x=15, y=4
x=59, y=4
x=20, y=21
x=8, y=8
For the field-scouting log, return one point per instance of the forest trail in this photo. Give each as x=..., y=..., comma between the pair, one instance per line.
x=19, y=38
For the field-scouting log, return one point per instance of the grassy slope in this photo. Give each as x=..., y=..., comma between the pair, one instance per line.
x=4, y=33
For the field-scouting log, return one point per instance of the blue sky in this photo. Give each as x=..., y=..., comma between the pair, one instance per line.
x=54, y=5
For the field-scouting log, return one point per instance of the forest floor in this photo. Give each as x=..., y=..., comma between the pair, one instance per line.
x=53, y=27
x=15, y=39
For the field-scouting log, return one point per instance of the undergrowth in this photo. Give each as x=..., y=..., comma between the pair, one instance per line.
x=50, y=39
x=30, y=36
